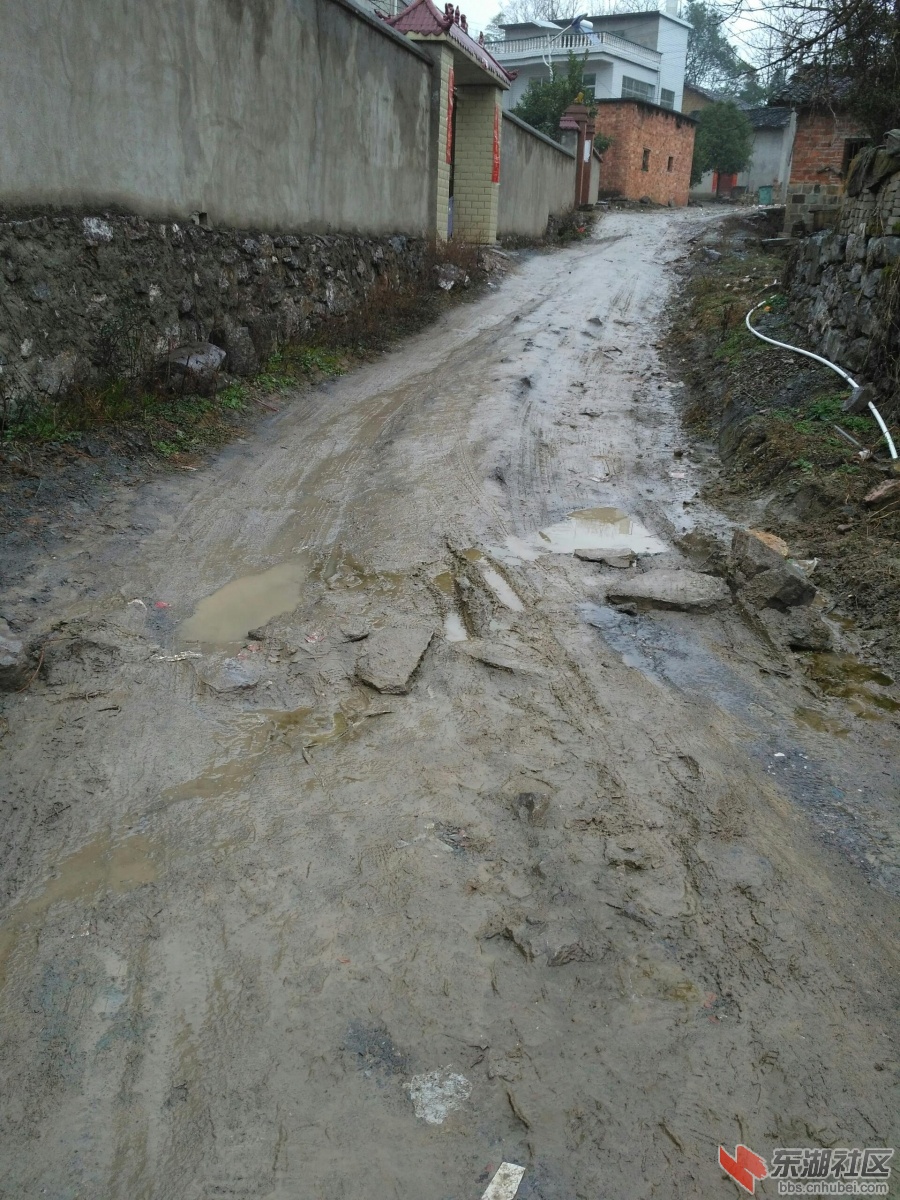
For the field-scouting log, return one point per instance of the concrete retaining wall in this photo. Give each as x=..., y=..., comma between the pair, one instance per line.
x=290, y=115
x=537, y=180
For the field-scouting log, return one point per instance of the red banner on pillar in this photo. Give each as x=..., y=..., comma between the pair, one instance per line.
x=450, y=117
x=495, y=173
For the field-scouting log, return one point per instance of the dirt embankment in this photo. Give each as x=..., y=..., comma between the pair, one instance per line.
x=792, y=461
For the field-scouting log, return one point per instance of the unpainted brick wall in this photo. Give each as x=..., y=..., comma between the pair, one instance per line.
x=817, y=164
x=636, y=127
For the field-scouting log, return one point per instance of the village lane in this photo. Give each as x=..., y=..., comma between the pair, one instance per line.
x=356, y=843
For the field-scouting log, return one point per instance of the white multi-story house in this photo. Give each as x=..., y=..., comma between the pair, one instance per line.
x=636, y=56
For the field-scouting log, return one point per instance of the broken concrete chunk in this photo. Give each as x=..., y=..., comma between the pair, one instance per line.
x=859, y=399
x=607, y=558
x=784, y=586
x=798, y=629
x=753, y=551
x=199, y=363
x=687, y=591
x=493, y=655
x=392, y=656
x=354, y=631
x=231, y=674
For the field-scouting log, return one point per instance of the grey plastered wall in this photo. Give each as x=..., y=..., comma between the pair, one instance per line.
x=537, y=180
x=295, y=115
x=771, y=160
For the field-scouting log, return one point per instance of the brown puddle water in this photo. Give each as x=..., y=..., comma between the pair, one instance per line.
x=820, y=721
x=856, y=682
x=228, y=614
x=101, y=865
x=265, y=731
x=588, y=529
x=495, y=581
x=454, y=628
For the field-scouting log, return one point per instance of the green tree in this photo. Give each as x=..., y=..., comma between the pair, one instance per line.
x=724, y=140
x=546, y=100
x=492, y=31
x=712, y=61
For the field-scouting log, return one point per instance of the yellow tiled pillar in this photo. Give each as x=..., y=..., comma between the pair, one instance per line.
x=441, y=117
x=476, y=162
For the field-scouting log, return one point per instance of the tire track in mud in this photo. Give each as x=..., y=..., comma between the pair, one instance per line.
x=656, y=959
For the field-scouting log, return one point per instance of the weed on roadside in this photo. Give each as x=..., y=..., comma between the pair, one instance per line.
x=790, y=452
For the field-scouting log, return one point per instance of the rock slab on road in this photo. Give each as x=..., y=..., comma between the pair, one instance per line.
x=392, y=656
x=688, y=591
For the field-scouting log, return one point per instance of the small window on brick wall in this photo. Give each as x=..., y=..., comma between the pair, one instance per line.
x=666, y=98
x=671, y=166
x=645, y=163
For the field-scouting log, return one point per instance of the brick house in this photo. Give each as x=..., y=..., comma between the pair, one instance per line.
x=825, y=143
x=650, y=154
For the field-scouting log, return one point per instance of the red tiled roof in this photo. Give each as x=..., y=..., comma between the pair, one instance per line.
x=424, y=17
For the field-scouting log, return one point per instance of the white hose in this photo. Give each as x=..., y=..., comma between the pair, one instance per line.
x=818, y=357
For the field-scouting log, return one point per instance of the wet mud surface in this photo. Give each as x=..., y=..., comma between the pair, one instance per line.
x=355, y=844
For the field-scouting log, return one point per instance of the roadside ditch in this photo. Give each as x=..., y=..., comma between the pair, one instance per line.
x=791, y=461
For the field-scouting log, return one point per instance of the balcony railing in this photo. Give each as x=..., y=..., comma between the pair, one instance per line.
x=542, y=47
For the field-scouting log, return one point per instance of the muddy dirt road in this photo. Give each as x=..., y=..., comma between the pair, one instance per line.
x=596, y=894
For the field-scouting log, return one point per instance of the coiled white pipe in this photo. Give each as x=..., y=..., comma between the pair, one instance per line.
x=818, y=357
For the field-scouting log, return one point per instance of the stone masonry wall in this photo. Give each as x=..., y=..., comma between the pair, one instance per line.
x=848, y=279
x=88, y=295
x=636, y=127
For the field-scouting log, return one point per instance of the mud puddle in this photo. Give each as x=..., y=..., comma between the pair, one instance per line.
x=263, y=732
x=230, y=613
x=454, y=629
x=502, y=589
x=603, y=529
x=103, y=864
x=861, y=686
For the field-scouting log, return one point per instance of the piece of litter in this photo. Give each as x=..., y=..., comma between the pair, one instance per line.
x=678, y=474
x=162, y=604
x=175, y=657
x=436, y=1094
x=505, y=1183
x=779, y=755
x=317, y=636
x=140, y=603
